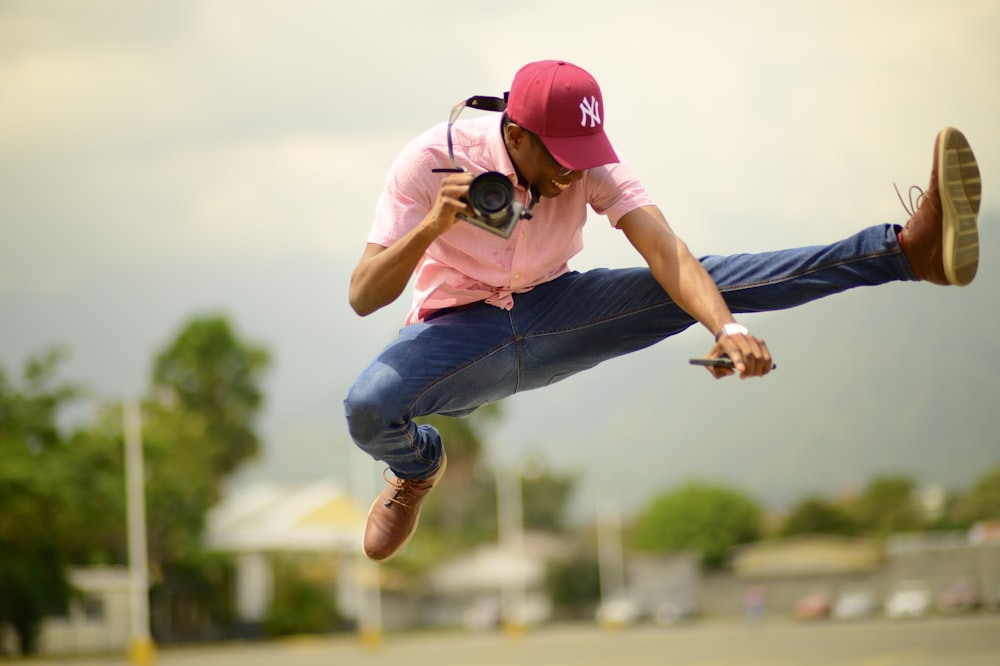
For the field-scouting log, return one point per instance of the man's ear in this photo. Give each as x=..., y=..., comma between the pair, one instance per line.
x=514, y=134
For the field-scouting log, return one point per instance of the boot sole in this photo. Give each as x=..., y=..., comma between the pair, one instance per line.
x=961, y=190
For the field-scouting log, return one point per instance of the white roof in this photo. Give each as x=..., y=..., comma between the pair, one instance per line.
x=269, y=517
x=489, y=567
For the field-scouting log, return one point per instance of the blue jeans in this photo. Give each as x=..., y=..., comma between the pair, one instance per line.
x=462, y=358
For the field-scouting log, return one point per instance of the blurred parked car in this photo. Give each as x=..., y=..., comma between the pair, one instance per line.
x=813, y=606
x=483, y=614
x=909, y=598
x=959, y=597
x=618, y=613
x=670, y=612
x=852, y=604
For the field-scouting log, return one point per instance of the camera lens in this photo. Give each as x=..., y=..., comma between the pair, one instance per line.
x=491, y=195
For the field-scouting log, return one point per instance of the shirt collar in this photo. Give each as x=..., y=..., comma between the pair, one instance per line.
x=498, y=149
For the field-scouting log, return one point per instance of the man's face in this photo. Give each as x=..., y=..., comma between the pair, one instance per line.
x=536, y=166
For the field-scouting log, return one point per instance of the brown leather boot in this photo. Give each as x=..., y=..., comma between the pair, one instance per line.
x=394, y=515
x=941, y=240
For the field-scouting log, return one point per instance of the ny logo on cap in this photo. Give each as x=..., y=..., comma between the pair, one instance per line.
x=590, y=108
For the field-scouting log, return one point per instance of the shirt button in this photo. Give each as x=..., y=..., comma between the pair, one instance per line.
x=517, y=276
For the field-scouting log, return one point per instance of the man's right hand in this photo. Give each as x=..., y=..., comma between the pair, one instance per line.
x=383, y=272
x=452, y=199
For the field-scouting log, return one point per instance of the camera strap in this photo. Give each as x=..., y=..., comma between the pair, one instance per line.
x=481, y=102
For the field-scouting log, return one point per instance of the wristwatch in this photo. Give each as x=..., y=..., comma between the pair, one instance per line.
x=732, y=328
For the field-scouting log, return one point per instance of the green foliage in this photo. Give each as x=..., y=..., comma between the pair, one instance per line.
x=198, y=429
x=32, y=482
x=708, y=519
x=574, y=585
x=983, y=500
x=93, y=486
x=545, y=501
x=209, y=372
x=300, y=606
x=32, y=585
x=457, y=513
x=62, y=496
x=816, y=516
x=889, y=505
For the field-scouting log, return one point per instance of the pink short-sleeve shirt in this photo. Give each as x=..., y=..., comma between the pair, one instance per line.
x=467, y=264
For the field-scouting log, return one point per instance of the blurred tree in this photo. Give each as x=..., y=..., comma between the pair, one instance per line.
x=705, y=518
x=816, y=516
x=546, y=499
x=461, y=491
x=574, y=586
x=300, y=605
x=461, y=511
x=92, y=483
x=62, y=497
x=209, y=372
x=198, y=427
x=32, y=573
x=983, y=500
x=889, y=505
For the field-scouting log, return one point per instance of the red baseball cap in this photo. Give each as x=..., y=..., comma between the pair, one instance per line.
x=562, y=104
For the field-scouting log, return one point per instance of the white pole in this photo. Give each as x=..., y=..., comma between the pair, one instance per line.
x=141, y=648
x=510, y=516
x=366, y=573
x=610, y=554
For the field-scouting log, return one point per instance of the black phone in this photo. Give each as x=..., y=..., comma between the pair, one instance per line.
x=723, y=362
x=713, y=362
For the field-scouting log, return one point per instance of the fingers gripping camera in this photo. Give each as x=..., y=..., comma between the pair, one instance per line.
x=491, y=197
x=491, y=194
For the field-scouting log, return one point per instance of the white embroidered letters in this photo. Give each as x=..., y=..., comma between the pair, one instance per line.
x=590, y=108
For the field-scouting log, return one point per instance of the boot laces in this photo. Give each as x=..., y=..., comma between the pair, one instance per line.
x=405, y=490
x=914, y=202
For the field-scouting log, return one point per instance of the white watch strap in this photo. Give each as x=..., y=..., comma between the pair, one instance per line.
x=732, y=328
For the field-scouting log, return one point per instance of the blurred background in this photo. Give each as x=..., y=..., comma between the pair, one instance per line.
x=186, y=186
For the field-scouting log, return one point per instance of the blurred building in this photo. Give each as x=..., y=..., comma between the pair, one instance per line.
x=97, y=620
x=819, y=566
x=494, y=584
x=264, y=521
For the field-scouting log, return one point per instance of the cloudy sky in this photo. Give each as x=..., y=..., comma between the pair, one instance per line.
x=162, y=159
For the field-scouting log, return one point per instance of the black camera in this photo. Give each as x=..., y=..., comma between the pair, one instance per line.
x=491, y=194
x=491, y=197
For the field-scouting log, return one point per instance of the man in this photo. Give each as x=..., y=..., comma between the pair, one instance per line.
x=493, y=316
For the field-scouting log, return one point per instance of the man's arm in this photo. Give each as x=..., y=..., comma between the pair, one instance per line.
x=383, y=272
x=684, y=278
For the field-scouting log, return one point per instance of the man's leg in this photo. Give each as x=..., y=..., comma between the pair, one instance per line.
x=578, y=321
x=452, y=365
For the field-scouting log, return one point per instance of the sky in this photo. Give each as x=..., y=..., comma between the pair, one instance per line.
x=159, y=160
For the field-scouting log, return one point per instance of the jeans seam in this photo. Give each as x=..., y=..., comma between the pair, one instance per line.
x=598, y=322
x=518, y=350
x=733, y=287
x=411, y=443
x=811, y=271
x=452, y=373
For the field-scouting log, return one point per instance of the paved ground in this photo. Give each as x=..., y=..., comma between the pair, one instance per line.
x=971, y=641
